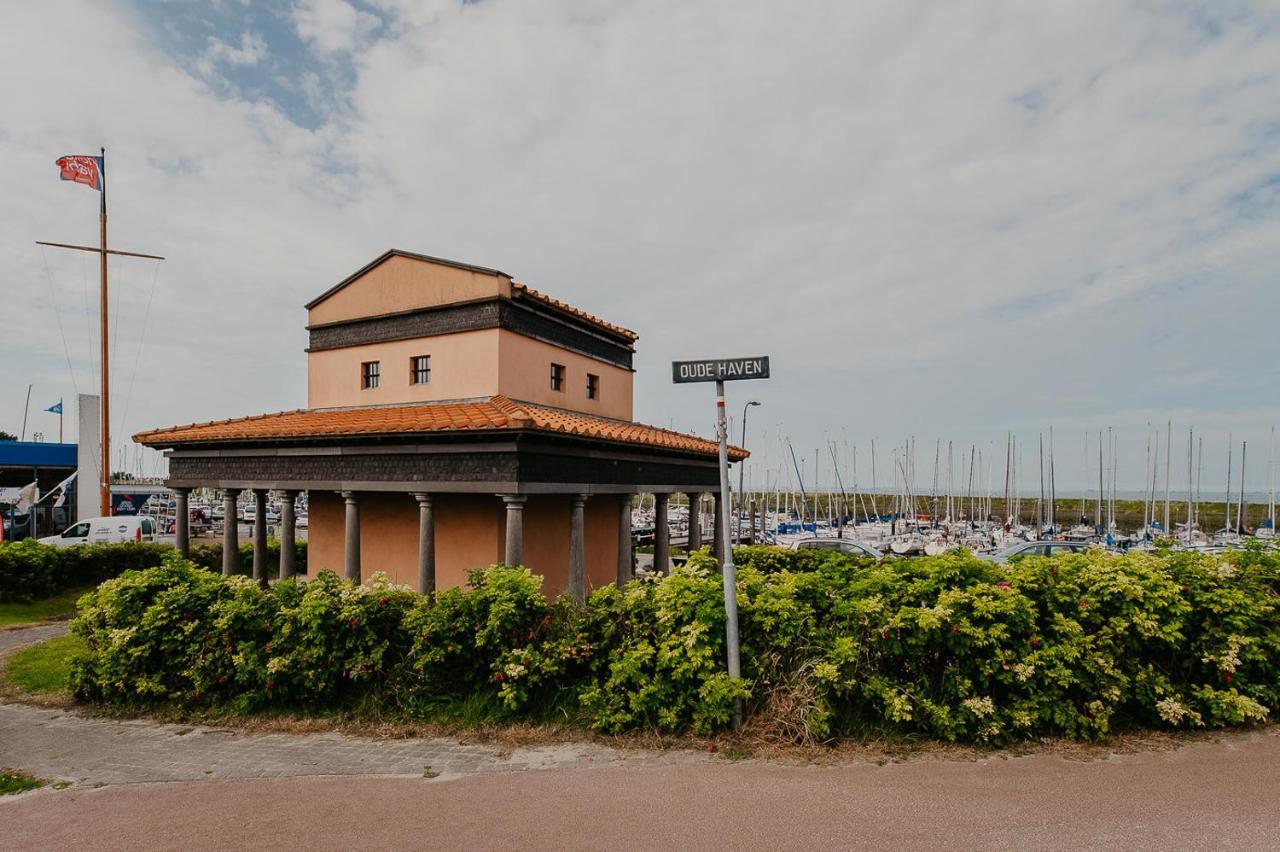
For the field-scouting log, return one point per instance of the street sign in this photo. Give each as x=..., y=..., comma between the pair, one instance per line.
x=720, y=369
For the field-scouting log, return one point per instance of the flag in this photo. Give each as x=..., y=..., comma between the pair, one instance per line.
x=27, y=496
x=82, y=168
x=56, y=408
x=61, y=490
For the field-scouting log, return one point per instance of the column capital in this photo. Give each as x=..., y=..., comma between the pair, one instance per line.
x=514, y=499
x=579, y=499
x=349, y=497
x=423, y=498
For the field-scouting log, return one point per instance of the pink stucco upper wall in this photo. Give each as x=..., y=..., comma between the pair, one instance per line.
x=405, y=284
x=464, y=365
x=524, y=372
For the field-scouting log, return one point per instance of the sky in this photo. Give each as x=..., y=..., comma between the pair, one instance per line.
x=947, y=221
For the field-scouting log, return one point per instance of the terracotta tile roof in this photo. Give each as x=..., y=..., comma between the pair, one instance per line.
x=525, y=290
x=495, y=413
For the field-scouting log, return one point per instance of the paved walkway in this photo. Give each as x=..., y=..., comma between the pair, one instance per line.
x=89, y=751
x=1204, y=796
x=25, y=636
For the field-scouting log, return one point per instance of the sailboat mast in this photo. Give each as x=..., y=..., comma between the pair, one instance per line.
x=1040, y=505
x=1226, y=514
x=1240, y=514
x=1168, y=455
x=1053, y=488
x=1190, y=449
x=1098, y=517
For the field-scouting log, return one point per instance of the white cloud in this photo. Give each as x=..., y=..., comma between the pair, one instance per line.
x=941, y=220
x=332, y=26
x=252, y=50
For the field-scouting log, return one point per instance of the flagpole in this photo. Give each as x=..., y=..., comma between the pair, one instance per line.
x=105, y=481
x=59, y=420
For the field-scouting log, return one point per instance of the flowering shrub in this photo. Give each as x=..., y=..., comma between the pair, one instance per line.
x=666, y=655
x=949, y=647
x=185, y=635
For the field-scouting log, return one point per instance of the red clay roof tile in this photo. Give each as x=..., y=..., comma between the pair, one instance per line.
x=543, y=298
x=495, y=413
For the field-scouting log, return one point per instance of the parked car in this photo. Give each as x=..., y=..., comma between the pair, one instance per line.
x=839, y=545
x=105, y=531
x=1034, y=548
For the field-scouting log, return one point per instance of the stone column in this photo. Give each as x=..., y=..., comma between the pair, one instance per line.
x=260, y=536
x=717, y=529
x=577, y=548
x=181, y=521
x=426, y=544
x=695, y=522
x=625, y=572
x=514, y=553
x=351, y=551
x=230, y=535
x=661, y=535
x=288, y=548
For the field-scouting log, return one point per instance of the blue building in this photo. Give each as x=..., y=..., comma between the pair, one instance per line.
x=47, y=464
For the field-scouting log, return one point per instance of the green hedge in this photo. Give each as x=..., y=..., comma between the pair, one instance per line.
x=30, y=570
x=948, y=647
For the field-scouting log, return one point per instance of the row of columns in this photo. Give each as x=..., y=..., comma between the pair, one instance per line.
x=513, y=551
x=230, y=539
x=662, y=535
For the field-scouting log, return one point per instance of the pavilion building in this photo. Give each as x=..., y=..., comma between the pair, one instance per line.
x=455, y=418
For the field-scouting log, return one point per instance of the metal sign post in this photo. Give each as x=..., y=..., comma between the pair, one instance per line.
x=720, y=371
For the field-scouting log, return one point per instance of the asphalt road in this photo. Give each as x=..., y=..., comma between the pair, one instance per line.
x=1220, y=795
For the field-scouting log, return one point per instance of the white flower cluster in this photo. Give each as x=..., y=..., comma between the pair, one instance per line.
x=1174, y=711
x=1229, y=659
x=980, y=707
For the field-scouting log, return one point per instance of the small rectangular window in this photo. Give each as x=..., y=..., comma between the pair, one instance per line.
x=420, y=369
x=557, y=377
x=369, y=374
x=593, y=386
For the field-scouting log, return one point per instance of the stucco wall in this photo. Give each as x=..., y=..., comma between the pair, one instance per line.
x=601, y=527
x=326, y=516
x=470, y=533
x=403, y=284
x=525, y=373
x=463, y=365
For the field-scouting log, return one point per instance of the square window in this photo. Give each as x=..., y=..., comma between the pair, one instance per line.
x=369, y=374
x=420, y=369
x=557, y=377
x=593, y=386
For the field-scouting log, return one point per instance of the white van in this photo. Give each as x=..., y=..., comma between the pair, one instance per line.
x=105, y=531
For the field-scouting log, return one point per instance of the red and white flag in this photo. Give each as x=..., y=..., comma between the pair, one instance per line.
x=81, y=168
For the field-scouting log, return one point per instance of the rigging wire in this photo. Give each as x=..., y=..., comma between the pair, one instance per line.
x=137, y=358
x=57, y=315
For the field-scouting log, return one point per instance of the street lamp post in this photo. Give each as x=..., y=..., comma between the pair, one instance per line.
x=742, y=469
